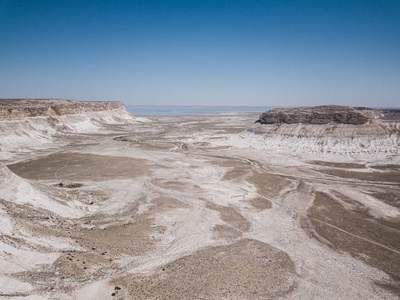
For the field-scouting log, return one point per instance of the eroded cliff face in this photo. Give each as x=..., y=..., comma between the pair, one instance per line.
x=19, y=109
x=27, y=124
x=328, y=129
x=315, y=115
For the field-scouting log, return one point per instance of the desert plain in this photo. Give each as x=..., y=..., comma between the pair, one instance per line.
x=194, y=207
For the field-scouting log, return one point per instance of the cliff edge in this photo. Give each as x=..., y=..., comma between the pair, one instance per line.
x=28, y=124
x=19, y=109
x=328, y=129
x=315, y=115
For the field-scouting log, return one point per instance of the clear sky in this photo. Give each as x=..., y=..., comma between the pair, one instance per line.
x=279, y=53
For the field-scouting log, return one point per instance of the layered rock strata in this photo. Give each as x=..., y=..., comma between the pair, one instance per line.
x=27, y=124
x=19, y=109
x=328, y=129
x=315, y=115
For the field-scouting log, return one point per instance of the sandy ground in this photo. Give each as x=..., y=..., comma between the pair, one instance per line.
x=189, y=207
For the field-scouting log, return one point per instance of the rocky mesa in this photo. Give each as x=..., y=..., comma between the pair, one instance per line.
x=324, y=114
x=328, y=129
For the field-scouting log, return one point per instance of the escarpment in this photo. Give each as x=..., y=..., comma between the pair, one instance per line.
x=19, y=109
x=315, y=115
x=26, y=124
x=329, y=129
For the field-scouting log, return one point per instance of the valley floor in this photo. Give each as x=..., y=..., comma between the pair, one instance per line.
x=192, y=207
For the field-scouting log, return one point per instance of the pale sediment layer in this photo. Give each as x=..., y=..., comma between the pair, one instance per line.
x=341, y=138
x=328, y=129
x=188, y=207
x=26, y=126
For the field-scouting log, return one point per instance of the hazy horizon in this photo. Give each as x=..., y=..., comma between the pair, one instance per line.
x=203, y=53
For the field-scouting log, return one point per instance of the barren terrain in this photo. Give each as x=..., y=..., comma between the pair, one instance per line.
x=194, y=207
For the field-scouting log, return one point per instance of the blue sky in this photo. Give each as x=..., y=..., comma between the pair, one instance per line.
x=279, y=53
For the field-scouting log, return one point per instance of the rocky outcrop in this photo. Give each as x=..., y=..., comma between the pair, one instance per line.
x=19, y=109
x=391, y=114
x=327, y=129
x=387, y=114
x=27, y=124
x=315, y=115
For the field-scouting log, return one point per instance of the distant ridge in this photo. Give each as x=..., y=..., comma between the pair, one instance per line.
x=19, y=109
x=315, y=115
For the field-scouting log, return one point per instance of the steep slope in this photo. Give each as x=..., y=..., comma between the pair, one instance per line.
x=17, y=190
x=22, y=250
x=315, y=115
x=19, y=109
x=327, y=129
x=27, y=124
